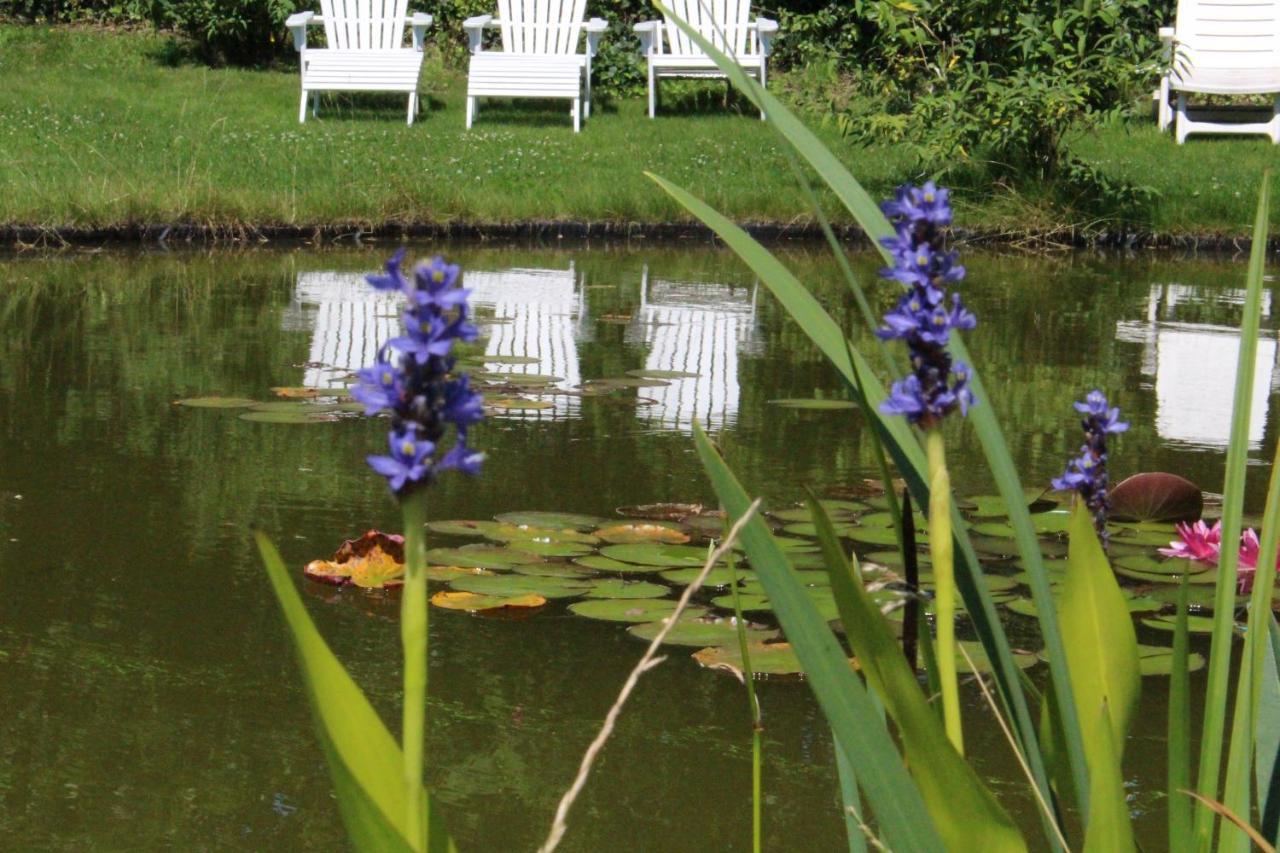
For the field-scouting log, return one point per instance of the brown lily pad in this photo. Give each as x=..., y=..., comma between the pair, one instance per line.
x=479, y=603
x=628, y=534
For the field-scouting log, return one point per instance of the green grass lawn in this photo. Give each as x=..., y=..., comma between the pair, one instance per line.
x=97, y=130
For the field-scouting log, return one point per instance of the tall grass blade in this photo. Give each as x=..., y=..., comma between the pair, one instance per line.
x=962, y=806
x=1267, y=749
x=893, y=797
x=851, y=804
x=1180, y=724
x=753, y=707
x=364, y=761
x=1252, y=674
x=902, y=446
x=1211, y=737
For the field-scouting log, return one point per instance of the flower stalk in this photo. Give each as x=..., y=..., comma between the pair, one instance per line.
x=414, y=639
x=941, y=551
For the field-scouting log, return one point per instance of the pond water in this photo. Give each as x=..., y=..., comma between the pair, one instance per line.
x=150, y=695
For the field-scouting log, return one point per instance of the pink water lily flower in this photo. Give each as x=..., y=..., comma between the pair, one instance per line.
x=1198, y=541
x=1204, y=543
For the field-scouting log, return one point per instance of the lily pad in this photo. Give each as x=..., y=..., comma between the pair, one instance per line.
x=517, y=404
x=1152, y=570
x=880, y=535
x=802, y=514
x=630, y=609
x=505, y=359
x=523, y=533
x=216, y=402
x=552, y=520
x=1158, y=660
x=297, y=393
x=524, y=378
x=551, y=549
x=816, y=405
x=1021, y=659
x=448, y=573
x=748, y=603
x=1195, y=624
x=608, y=564
x=479, y=557
x=628, y=533
x=477, y=603
x=553, y=570
x=461, y=528
x=288, y=417
x=656, y=554
x=662, y=374
x=514, y=585
x=1156, y=496
x=807, y=528
x=296, y=406
x=701, y=631
x=660, y=511
x=616, y=382
x=620, y=588
x=767, y=659
x=719, y=576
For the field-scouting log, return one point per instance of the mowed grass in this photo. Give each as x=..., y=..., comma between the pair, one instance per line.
x=97, y=130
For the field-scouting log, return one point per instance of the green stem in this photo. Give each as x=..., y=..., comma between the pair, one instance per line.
x=940, y=548
x=413, y=636
x=753, y=705
x=757, y=809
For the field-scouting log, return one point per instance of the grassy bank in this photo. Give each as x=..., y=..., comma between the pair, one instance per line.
x=100, y=129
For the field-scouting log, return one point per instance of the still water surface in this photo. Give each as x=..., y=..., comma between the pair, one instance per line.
x=150, y=696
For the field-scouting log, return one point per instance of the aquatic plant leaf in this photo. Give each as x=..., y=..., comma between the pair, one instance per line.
x=505, y=359
x=657, y=554
x=663, y=511
x=1110, y=827
x=631, y=533
x=747, y=602
x=479, y=557
x=517, y=404
x=616, y=382
x=1156, y=496
x=295, y=406
x=552, y=570
x=376, y=570
x=216, y=402
x=480, y=603
x=1159, y=660
x=960, y=803
x=551, y=549
x=462, y=528
x=622, y=588
x=847, y=530
x=645, y=373
x=801, y=514
x=551, y=520
x=877, y=535
x=720, y=576
x=1195, y=624
x=608, y=564
x=365, y=762
x=524, y=378
x=288, y=417
x=701, y=631
x=815, y=405
x=524, y=533
x=448, y=573
x=767, y=659
x=373, y=560
x=518, y=585
x=630, y=609
x=1101, y=647
x=856, y=727
x=297, y=392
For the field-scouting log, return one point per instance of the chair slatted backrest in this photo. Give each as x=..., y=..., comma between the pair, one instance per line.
x=1229, y=33
x=364, y=24
x=721, y=22
x=541, y=26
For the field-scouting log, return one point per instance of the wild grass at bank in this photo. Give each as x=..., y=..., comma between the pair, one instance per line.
x=100, y=128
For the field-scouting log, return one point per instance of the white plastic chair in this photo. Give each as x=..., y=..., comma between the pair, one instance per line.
x=726, y=24
x=539, y=56
x=1221, y=47
x=364, y=50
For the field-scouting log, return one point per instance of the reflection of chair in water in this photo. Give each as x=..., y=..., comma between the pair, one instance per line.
x=540, y=314
x=1193, y=366
x=696, y=328
x=348, y=321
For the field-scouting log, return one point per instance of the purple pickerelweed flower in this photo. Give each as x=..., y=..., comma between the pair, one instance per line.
x=413, y=378
x=1087, y=473
x=924, y=317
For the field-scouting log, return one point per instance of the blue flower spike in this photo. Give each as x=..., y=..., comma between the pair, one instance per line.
x=413, y=378
x=1086, y=474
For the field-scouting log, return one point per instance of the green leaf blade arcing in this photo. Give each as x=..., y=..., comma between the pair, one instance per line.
x=365, y=763
x=962, y=806
x=900, y=813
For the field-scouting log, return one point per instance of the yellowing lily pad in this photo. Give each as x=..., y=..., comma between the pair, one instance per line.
x=629, y=533
x=476, y=603
x=767, y=659
x=296, y=393
x=629, y=610
x=702, y=631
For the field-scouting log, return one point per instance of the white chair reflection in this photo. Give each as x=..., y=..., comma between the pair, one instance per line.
x=348, y=321
x=1193, y=366
x=697, y=328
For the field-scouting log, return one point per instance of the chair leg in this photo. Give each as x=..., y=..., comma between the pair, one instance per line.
x=302, y=108
x=586, y=106
x=1164, y=113
x=413, y=107
x=1182, y=126
x=764, y=80
x=653, y=90
x=1275, y=121
x=577, y=115
x=315, y=104
x=471, y=111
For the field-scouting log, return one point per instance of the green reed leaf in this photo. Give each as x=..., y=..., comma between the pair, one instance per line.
x=1179, y=804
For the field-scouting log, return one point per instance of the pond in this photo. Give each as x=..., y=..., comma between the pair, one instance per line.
x=150, y=693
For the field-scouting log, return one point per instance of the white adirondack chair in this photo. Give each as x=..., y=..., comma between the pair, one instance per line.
x=364, y=50
x=1221, y=47
x=726, y=24
x=539, y=56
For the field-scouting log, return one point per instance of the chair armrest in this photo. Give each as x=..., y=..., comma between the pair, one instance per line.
x=767, y=29
x=419, y=22
x=650, y=33
x=297, y=24
x=595, y=31
x=1168, y=38
x=475, y=31
x=1166, y=33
